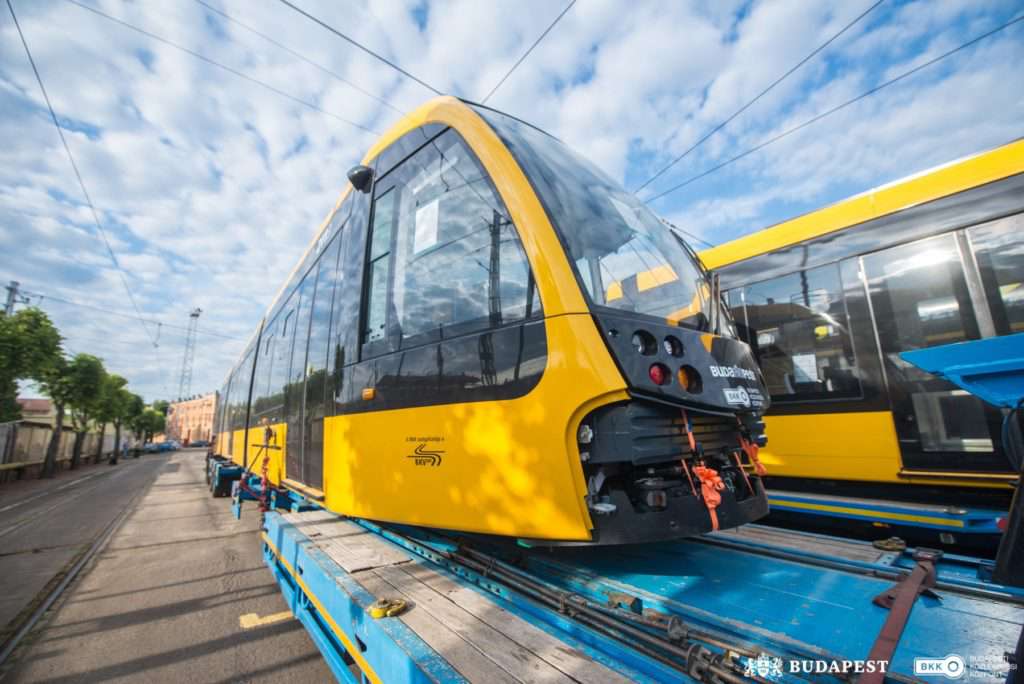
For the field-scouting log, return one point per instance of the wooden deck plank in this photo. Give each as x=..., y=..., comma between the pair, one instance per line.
x=352, y=547
x=461, y=655
x=519, y=662
x=479, y=638
x=570, y=661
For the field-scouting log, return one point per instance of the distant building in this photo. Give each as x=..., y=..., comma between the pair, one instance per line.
x=191, y=420
x=39, y=410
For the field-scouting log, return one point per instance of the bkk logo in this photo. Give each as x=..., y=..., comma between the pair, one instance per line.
x=950, y=667
x=737, y=395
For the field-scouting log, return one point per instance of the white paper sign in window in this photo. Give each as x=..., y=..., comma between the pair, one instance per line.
x=805, y=367
x=425, y=236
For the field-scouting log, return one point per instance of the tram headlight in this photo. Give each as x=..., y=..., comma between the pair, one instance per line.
x=644, y=342
x=672, y=346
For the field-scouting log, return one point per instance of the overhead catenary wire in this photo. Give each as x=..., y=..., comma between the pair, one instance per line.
x=527, y=53
x=757, y=97
x=81, y=182
x=359, y=45
x=112, y=312
x=224, y=67
x=833, y=110
x=299, y=56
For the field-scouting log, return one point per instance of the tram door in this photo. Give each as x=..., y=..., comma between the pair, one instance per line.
x=922, y=295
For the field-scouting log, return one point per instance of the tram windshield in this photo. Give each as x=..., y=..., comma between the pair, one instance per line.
x=623, y=255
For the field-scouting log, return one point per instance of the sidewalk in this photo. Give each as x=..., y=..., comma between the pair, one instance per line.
x=180, y=594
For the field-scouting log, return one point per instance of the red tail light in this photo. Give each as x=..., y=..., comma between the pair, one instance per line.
x=659, y=374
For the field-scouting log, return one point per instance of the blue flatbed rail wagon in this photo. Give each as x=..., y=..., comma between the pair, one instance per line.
x=756, y=603
x=388, y=603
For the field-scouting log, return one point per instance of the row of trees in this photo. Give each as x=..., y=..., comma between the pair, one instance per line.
x=80, y=388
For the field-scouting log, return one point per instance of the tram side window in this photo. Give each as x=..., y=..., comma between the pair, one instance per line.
x=458, y=264
x=224, y=407
x=802, y=332
x=320, y=330
x=999, y=249
x=282, y=349
x=379, y=266
x=347, y=297
x=242, y=379
x=261, y=391
x=297, y=375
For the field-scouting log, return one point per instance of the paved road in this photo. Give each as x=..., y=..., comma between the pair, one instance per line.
x=46, y=523
x=168, y=597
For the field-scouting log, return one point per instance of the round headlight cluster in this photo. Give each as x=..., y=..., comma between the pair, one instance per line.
x=687, y=376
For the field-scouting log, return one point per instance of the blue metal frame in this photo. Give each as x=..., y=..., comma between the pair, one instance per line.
x=992, y=368
x=955, y=520
x=807, y=606
x=791, y=603
x=223, y=474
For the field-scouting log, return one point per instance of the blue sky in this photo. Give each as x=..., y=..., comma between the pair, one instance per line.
x=210, y=186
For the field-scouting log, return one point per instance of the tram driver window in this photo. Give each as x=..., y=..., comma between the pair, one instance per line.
x=802, y=333
x=458, y=265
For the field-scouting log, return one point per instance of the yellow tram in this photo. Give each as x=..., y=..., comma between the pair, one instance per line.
x=475, y=341
x=829, y=300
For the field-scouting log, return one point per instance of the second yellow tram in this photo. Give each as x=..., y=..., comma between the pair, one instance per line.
x=830, y=299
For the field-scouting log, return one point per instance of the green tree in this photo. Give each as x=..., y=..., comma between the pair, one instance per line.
x=162, y=406
x=86, y=374
x=149, y=423
x=110, y=406
x=29, y=345
x=55, y=382
x=133, y=409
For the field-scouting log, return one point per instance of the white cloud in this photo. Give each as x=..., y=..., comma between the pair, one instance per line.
x=211, y=187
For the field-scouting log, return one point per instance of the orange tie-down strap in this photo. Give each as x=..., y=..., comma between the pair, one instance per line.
x=710, y=486
x=750, y=449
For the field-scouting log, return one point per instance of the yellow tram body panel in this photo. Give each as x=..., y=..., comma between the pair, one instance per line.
x=843, y=446
x=493, y=466
x=255, y=454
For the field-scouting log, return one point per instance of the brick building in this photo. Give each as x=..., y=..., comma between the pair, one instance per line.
x=192, y=419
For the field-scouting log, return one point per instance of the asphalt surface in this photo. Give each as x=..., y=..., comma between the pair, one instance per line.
x=46, y=523
x=179, y=593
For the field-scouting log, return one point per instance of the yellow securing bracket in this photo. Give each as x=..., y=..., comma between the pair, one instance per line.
x=387, y=608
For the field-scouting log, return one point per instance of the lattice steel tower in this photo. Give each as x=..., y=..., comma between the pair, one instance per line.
x=185, y=384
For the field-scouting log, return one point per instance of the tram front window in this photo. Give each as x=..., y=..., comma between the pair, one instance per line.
x=624, y=256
